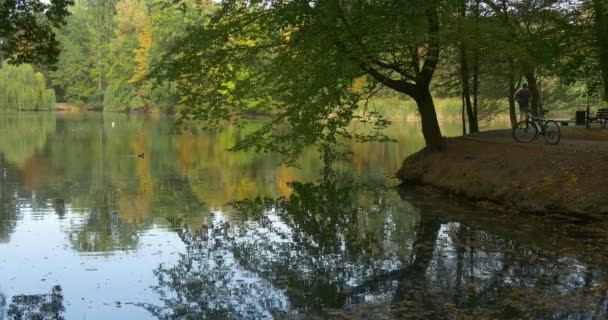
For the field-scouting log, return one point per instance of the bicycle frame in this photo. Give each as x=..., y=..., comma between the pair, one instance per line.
x=537, y=121
x=542, y=126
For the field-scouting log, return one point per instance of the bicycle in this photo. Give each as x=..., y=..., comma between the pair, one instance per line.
x=532, y=127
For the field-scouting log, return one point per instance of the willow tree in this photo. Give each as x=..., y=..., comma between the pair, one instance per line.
x=24, y=89
x=302, y=58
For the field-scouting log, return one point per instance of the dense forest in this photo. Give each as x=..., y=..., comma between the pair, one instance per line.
x=314, y=66
x=109, y=48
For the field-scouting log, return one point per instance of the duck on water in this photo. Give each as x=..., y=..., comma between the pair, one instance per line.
x=139, y=155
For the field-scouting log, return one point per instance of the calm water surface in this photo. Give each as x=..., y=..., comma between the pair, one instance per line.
x=88, y=230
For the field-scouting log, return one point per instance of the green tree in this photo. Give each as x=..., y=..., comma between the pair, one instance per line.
x=465, y=72
x=109, y=47
x=537, y=33
x=101, y=15
x=168, y=21
x=27, y=32
x=83, y=64
x=132, y=23
x=24, y=89
x=75, y=72
x=303, y=58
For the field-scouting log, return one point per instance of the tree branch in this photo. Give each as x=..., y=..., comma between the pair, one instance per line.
x=399, y=85
x=432, y=57
x=392, y=66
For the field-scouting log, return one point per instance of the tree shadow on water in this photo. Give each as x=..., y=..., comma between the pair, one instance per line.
x=336, y=249
x=47, y=306
x=499, y=265
x=302, y=255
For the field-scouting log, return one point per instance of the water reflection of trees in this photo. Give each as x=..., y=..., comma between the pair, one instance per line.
x=8, y=203
x=506, y=273
x=23, y=134
x=84, y=158
x=2, y=305
x=333, y=247
x=102, y=230
x=47, y=306
x=289, y=256
x=475, y=274
x=84, y=171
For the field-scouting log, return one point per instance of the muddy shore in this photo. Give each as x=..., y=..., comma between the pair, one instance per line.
x=534, y=177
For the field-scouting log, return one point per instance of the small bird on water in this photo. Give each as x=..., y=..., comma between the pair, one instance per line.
x=139, y=155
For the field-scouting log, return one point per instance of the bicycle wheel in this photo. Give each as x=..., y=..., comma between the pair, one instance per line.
x=552, y=132
x=525, y=131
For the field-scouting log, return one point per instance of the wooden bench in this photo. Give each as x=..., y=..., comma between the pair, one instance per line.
x=601, y=117
x=562, y=121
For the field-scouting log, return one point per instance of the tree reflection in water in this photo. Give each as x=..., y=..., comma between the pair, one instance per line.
x=336, y=250
x=8, y=203
x=488, y=265
x=37, y=306
x=298, y=255
x=2, y=305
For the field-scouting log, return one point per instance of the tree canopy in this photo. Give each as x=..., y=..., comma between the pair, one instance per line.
x=303, y=59
x=27, y=29
x=312, y=67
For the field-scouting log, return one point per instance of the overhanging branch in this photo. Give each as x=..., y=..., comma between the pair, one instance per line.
x=399, y=85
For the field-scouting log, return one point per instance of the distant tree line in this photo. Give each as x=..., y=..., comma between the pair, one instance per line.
x=108, y=48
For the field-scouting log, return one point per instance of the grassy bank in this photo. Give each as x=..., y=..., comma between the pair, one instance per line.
x=525, y=177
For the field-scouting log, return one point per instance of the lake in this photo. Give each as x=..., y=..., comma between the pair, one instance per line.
x=111, y=216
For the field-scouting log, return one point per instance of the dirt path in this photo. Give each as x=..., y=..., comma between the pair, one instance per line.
x=572, y=138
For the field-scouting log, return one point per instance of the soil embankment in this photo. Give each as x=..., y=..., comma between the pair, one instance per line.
x=491, y=166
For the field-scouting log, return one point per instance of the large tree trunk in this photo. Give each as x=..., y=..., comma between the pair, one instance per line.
x=430, y=126
x=476, y=68
x=100, y=76
x=466, y=89
x=476, y=89
x=512, y=89
x=465, y=77
x=416, y=83
x=601, y=31
x=422, y=94
x=535, y=94
x=421, y=76
x=464, y=120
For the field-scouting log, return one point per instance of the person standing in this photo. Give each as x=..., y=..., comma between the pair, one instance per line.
x=523, y=99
